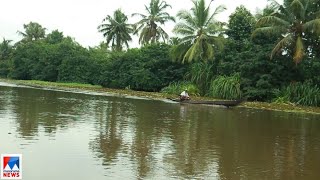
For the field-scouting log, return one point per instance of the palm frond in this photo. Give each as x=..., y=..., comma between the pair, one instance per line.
x=271, y=30
x=164, y=18
x=299, y=50
x=272, y=21
x=187, y=17
x=208, y=52
x=183, y=29
x=139, y=25
x=217, y=11
x=22, y=33
x=201, y=12
x=177, y=52
x=298, y=8
x=187, y=39
x=163, y=34
x=218, y=42
x=215, y=28
x=284, y=42
x=139, y=14
x=148, y=9
x=191, y=52
x=312, y=26
x=274, y=3
x=163, y=5
x=317, y=14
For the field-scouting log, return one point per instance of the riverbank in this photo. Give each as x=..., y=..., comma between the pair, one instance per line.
x=154, y=95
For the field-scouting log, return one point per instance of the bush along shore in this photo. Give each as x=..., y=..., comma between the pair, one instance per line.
x=76, y=87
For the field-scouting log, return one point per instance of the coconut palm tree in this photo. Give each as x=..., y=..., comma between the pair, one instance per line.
x=116, y=30
x=199, y=31
x=149, y=26
x=294, y=22
x=33, y=31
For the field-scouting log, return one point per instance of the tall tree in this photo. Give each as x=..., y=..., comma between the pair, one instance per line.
x=148, y=27
x=116, y=30
x=200, y=32
x=33, y=31
x=294, y=22
x=241, y=24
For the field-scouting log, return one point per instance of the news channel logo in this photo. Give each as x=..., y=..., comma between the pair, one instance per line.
x=11, y=166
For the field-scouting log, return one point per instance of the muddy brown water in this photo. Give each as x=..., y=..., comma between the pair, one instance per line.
x=65, y=135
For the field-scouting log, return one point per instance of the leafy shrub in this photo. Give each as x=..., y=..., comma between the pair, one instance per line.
x=260, y=89
x=225, y=87
x=200, y=73
x=147, y=69
x=4, y=69
x=38, y=60
x=310, y=70
x=300, y=93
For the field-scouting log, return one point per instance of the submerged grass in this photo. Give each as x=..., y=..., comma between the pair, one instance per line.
x=57, y=84
x=282, y=107
x=154, y=95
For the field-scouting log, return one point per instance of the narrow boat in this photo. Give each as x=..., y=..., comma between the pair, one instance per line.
x=227, y=103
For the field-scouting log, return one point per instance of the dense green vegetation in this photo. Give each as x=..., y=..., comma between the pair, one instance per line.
x=177, y=87
x=226, y=87
x=300, y=93
x=210, y=58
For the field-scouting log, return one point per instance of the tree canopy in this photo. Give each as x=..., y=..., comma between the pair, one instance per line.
x=116, y=30
x=148, y=27
x=32, y=31
x=293, y=22
x=241, y=24
x=199, y=31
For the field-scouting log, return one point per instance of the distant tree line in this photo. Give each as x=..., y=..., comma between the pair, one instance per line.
x=270, y=56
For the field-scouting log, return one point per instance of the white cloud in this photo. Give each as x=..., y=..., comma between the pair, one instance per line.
x=80, y=18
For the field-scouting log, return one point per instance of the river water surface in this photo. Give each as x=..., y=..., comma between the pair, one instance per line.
x=64, y=135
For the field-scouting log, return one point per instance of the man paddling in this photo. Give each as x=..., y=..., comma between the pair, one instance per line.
x=184, y=95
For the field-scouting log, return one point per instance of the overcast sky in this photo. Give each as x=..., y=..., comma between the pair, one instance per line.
x=80, y=18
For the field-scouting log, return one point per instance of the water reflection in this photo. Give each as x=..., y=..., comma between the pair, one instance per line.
x=108, y=140
x=48, y=109
x=145, y=139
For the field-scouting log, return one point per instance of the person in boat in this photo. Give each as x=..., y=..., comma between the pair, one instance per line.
x=184, y=95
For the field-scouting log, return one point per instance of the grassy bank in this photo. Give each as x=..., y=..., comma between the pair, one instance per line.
x=87, y=87
x=155, y=95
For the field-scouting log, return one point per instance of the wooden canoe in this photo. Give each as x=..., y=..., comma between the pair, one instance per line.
x=227, y=103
